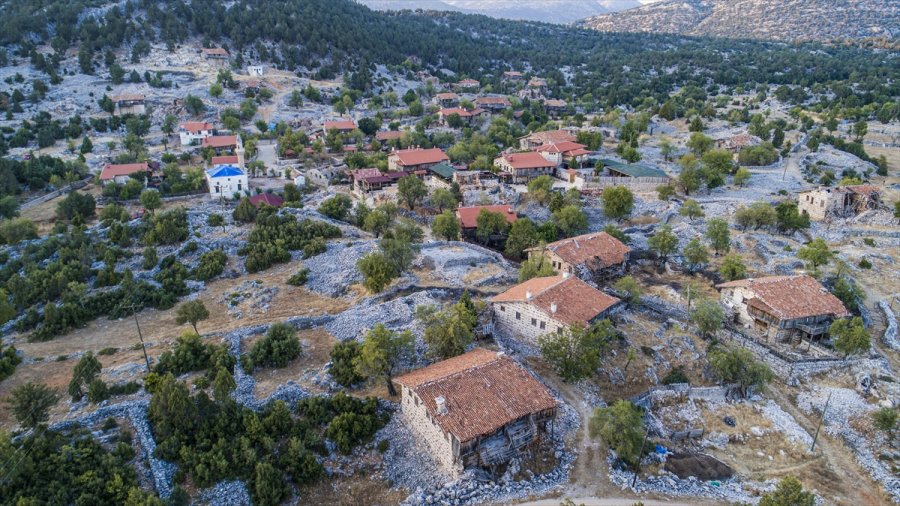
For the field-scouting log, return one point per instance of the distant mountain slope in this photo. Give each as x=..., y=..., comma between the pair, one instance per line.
x=549, y=11
x=788, y=20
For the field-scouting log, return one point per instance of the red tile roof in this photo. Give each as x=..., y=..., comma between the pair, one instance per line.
x=407, y=157
x=492, y=100
x=536, y=82
x=790, y=297
x=220, y=141
x=560, y=147
x=584, y=249
x=864, y=189
x=483, y=391
x=553, y=102
x=344, y=124
x=268, y=199
x=512, y=73
x=468, y=216
x=447, y=96
x=214, y=51
x=469, y=82
x=527, y=160
x=461, y=112
x=196, y=126
x=364, y=173
x=110, y=170
x=576, y=302
x=224, y=160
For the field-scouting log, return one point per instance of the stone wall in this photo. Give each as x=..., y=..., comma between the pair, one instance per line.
x=424, y=426
x=522, y=328
x=890, y=332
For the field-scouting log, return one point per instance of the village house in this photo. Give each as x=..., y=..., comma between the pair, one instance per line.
x=549, y=304
x=129, y=103
x=214, y=53
x=222, y=143
x=121, y=173
x=415, y=159
x=237, y=161
x=253, y=85
x=366, y=181
x=841, y=202
x=523, y=167
x=478, y=178
x=511, y=75
x=615, y=168
x=570, y=153
x=447, y=99
x=441, y=175
x=324, y=175
x=781, y=308
x=193, y=132
x=343, y=126
x=533, y=140
x=735, y=143
x=467, y=116
x=388, y=135
x=588, y=256
x=554, y=106
x=256, y=70
x=468, y=85
x=478, y=409
x=493, y=104
x=468, y=216
x=225, y=181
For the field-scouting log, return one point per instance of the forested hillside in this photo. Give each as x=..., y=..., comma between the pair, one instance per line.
x=327, y=37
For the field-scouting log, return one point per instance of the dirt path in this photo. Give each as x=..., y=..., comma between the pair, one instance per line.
x=839, y=479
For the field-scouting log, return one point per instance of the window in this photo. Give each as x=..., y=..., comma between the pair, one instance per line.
x=518, y=315
x=559, y=330
x=503, y=308
x=239, y=186
x=533, y=322
x=543, y=325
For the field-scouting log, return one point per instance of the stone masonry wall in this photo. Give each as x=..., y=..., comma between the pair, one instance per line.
x=439, y=442
x=522, y=328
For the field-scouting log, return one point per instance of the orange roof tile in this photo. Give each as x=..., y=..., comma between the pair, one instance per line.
x=551, y=136
x=111, y=170
x=468, y=216
x=483, y=391
x=407, y=157
x=344, y=124
x=575, y=301
x=791, y=297
x=386, y=135
x=224, y=160
x=219, y=141
x=196, y=126
x=527, y=160
x=584, y=249
x=559, y=147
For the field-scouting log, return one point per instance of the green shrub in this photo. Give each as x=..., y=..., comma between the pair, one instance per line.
x=300, y=278
x=276, y=349
x=864, y=263
x=107, y=351
x=212, y=263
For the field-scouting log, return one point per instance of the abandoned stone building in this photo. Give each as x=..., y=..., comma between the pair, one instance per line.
x=588, y=256
x=477, y=409
x=840, y=202
x=549, y=304
x=781, y=308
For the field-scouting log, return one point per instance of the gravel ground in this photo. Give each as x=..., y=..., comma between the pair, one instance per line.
x=457, y=262
x=331, y=273
x=396, y=314
x=786, y=424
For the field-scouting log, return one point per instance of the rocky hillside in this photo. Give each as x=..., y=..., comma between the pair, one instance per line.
x=788, y=20
x=549, y=11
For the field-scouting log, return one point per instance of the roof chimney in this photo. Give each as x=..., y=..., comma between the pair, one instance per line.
x=441, y=405
x=565, y=275
x=553, y=307
x=528, y=295
x=501, y=354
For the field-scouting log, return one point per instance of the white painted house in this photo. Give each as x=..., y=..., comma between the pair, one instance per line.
x=193, y=132
x=226, y=180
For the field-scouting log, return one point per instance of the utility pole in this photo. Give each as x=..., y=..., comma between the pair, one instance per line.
x=819, y=426
x=140, y=336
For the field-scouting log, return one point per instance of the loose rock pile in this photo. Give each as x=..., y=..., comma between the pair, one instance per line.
x=331, y=273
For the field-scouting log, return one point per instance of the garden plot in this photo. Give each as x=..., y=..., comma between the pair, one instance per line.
x=459, y=264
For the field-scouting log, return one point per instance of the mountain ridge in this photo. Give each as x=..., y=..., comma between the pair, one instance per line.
x=551, y=11
x=779, y=20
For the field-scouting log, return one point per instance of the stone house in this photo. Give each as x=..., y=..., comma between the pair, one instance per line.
x=566, y=152
x=214, y=53
x=467, y=116
x=344, y=126
x=415, y=159
x=588, y=256
x=494, y=104
x=192, y=132
x=554, y=106
x=781, y=308
x=468, y=216
x=478, y=409
x=535, y=139
x=222, y=143
x=550, y=304
x=467, y=85
x=523, y=167
x=130, y=103
x=840, y=202
x=447, y=99
x=121, y=173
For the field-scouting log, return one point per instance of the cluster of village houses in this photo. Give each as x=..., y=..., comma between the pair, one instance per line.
x=482, y=407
